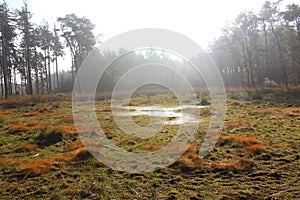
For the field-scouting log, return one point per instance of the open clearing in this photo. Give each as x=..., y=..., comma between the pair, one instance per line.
x=256, y=157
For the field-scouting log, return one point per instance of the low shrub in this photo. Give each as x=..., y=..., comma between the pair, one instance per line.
x=49, y=136
x=204, y=102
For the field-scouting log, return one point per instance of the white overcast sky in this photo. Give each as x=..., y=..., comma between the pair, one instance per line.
x=200, y=20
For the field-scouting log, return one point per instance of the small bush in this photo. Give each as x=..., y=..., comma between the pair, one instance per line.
x=204, y=102
x=49, y=137
x=257, y=95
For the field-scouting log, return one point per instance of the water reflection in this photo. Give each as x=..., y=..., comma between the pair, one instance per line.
x=175, y=115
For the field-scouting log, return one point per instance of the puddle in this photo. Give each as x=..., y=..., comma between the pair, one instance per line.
x=175, y=115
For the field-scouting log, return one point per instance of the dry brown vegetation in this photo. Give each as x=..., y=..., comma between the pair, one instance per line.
x=256, y=156
x=9, y=161
x=247, y=140
x=30, y=146
x=190, y=158
x=150, y=147
x=18, y=127
x=35, y=167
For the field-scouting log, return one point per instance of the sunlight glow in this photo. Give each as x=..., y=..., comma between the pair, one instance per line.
x=200, y=20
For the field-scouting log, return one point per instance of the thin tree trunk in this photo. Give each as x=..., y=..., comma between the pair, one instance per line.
x=57, y=81
x=49, y=72
x=245, y=63
x=285, y=79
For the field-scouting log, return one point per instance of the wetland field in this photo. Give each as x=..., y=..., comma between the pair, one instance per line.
x=257, y=155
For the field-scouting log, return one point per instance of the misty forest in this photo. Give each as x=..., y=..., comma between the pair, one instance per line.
x=44, y=155
x=256, y=50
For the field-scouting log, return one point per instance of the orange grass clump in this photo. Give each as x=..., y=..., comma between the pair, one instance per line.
x=240, y=164
x=78, y=154
x=67, y=119
x=139, y=102
x=38, y=112
x=4, y=161
x=30, y=146
x=235, y=102
x=30, y=114
x=191, y=157
x=73, y=145
x=107, y=132
x=78, y=151
x=255, y=148
x=45, y=110
x=226, y=166
x=237, y=123
x=247, y=140
x=291, y=112
x=35, y=124
x=105, y=109
x=206, y=112
x=68, y=129
x=17, y=127
x=150, y=147
x=35, y=167
x=225, y=139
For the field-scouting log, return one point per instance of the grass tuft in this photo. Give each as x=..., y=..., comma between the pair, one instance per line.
x=234, y=165
x=7, y=161
x=150, y=147
x=191, y=158
x=68, y=129
x=246, y=140
x=35, y=167
x=30, y=146
x=17, y=127
x=255, y=149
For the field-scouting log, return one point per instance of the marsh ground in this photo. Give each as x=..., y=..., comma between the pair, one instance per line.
x=256, y=157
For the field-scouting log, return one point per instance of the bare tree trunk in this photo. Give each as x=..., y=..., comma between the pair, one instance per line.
x=266, y=50
x=245, y=63
x=285, y=79
x=49, y=72
x=56, y=69
x=4, y=70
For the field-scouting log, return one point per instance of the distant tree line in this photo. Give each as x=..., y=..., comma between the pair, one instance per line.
x=261, y=49
x=29, y=52
x=257, y=50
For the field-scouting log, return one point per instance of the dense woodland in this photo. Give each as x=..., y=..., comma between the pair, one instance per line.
x=256, y=50
x=261, y=49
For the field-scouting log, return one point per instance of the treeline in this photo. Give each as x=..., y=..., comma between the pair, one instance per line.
x=261, y=49
x=257, y=50
x=29, y=52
